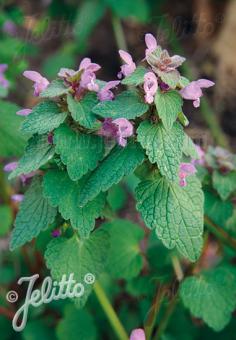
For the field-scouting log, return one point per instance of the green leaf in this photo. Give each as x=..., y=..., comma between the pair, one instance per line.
x=117, y=197
x=163, y=147
x=126, y=105
x=125, y=259
x=169, y=105
x=6, y=219
x=37, y=153
x=81, y=111
x=35, y=214
x=45, y=117
x=183, y=81
x=176, y=213
x=219, y=212
x=76, y=325
x=171, y=78
x=55, y=89
x=64, y=194
x=138, y=9
x=183, y=119
x=80, y=152
x=136, y=78
x=225, y=185
x=189, y=148
x=12, y=142
x=119, y=163
x=85, y=23
x=211, y=296
x=78, y=257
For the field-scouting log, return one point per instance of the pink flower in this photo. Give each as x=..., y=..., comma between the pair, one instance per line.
x=193, y=91
x=10, y=166
x=66, y=72
x=56, y=233
x=150, y=87
x=125, y=129
x=129, y=65
x=3, y=81
x=17, y=197
x=24, y=112
x=25, y=177
x=88, y=77
x=151, y=43
x=119, y=129
x=40, y=83
x=105, y=93
x=185, y=169
x=9, y=27
x=138, y=334
x=201, y=155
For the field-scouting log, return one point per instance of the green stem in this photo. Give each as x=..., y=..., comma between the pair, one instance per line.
x=165, y=320
x=220, y=233
x=119, y=33
x=207, y=113
x=110, y=313
x=152, y=314
x=4, y=189
x=177, y=268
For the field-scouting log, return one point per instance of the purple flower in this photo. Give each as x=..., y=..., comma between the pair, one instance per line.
x=193, y=91
x=3, y=81
x=150, y=87
x=151, y=43
x=50, y=138
x=185, y=169
x=66, y=72
x=10, y=166
x=119, y=129
x=129, y=65
x=137, y=334
x=24, y=112
x=9, y=27
x=17, y=197
x=40, y=83
x=201, y=156
x=25, y=177
x=88, y=76
x=56, y=233
x=105, y=93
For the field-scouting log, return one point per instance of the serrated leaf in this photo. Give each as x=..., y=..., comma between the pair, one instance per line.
x=80, y=152
x=211, y=296
x=81, y=111
x=163, y=147
x=124, y=237
x=12, y=142
x=171, y=78
x=76, y=325
x=35, y=214
x=63, y=193
x=169, y=105
x=216, y=209
x=78, y=257
x=189, y=148
x=55, y=89
x=126, y=105
x=37, y=153
x=176, y=213
x=136, y=78
x=119, y=163
x=45, y=117
x=225, y=185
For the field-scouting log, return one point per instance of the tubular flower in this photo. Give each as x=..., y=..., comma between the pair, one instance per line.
x=3, y=81
x=193, y=91
x=40, y=83
x=129, y=65
x=105, y=93
x=186, y=169
x=119, y=129
x=150, y=87
x=138, y=334
x=151, y=43
x=17, y=197
x=24, y=112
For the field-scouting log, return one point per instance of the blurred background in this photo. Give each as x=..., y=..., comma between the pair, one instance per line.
x=45, y=35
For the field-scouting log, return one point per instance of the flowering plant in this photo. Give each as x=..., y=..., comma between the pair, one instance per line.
x=86, y=136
